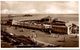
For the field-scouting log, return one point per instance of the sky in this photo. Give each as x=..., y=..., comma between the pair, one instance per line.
x=39, y=7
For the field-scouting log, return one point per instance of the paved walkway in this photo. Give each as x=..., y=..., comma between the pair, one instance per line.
x=42, y=37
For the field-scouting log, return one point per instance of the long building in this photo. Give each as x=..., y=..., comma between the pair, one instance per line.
x=47, y=24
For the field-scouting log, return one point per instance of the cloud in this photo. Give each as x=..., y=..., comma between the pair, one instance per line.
x=29, y=11
x=56, y=7
x=4, y=11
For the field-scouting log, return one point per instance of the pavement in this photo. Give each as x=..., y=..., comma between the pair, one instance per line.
x=63, y=40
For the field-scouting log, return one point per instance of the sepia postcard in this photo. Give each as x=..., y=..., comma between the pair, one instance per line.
x=39, y=24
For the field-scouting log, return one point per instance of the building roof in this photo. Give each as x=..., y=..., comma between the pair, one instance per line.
x=31, y=18
x=72, y=22
x=27, y=18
